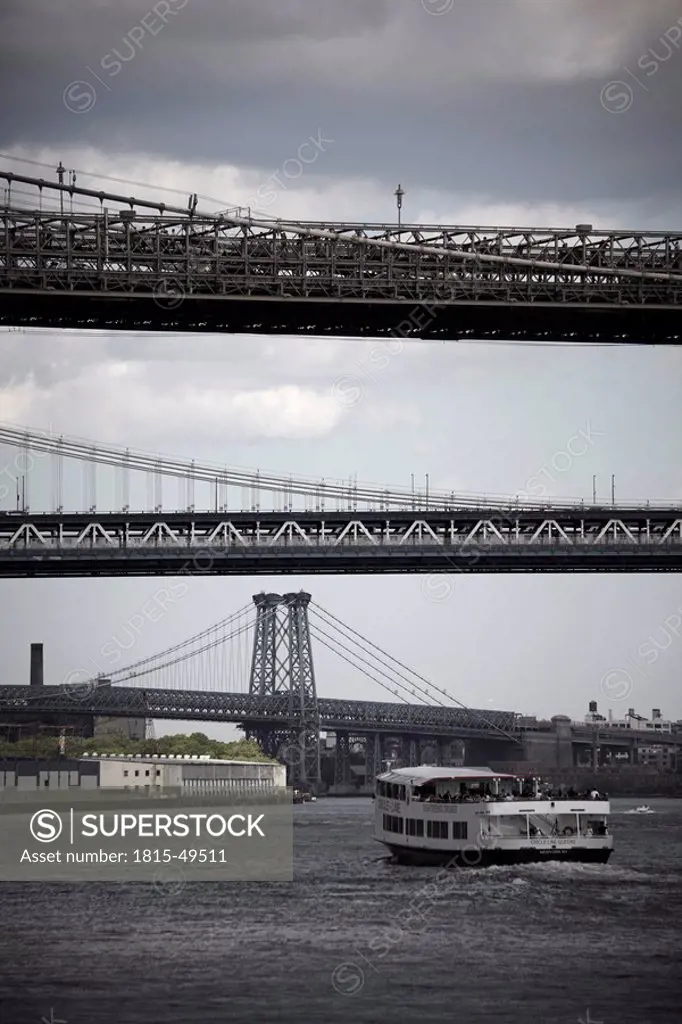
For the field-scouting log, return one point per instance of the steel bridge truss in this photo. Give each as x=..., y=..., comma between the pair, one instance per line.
x=463, y=540
x=282, y=663
x=358, y=718
x=184, y=270
x=269, y=712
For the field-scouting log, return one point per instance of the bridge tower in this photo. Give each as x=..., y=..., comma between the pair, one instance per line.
x=282, y=666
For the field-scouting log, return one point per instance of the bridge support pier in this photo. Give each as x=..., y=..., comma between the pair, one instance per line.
x=342, y=760
x=425, y=751
x=374, y=756
x=412, y=752
x=444, y=753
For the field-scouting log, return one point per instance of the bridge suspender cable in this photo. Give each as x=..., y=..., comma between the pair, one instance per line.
x=341, y=625
x=347, y=655
x=127, y=459
x=218, y=642
x=327, y=640
x=139, y=667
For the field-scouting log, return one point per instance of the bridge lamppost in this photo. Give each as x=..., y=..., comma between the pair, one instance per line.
x=399, y=193
x=61, y=171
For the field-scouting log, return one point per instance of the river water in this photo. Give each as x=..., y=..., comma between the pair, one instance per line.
x=356, y=939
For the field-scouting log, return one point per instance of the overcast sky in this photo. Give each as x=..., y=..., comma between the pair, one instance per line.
x=486, y=111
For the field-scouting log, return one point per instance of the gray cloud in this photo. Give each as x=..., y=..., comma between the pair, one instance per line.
x=501, y=97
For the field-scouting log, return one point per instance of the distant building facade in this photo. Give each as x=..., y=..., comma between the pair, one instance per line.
x=631, y=720
x=195, y=774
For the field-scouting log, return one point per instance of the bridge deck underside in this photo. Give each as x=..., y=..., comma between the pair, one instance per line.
x=283, y=561
x=352, y=317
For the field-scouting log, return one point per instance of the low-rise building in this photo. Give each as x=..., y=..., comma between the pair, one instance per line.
x=196, y=774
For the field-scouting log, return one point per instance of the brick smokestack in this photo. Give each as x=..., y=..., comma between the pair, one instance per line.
x=36, y=678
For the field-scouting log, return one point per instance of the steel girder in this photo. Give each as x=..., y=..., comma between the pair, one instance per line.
x=160, y=273
x=269, y=712
x=420, y=263
x=368, y=718
x=463, y=540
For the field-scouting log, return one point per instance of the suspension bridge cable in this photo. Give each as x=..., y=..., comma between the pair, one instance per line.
x=478, y=714
x=347, y=658
x=340, y=625
x=131, y=459
x=192, y=654
x=319, y=633
x=124, y=181
x=411, y=685
x=183, y=643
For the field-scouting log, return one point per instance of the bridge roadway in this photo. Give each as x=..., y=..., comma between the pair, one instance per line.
x=172, y=270
x=273, y=711
x=468, y=540
x=350, y=716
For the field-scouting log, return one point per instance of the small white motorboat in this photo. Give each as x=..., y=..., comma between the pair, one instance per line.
x=643, y=809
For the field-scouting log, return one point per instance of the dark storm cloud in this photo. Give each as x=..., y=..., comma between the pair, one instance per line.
x=500, y=96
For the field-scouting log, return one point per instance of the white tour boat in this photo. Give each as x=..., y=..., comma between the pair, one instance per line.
x=476, y=817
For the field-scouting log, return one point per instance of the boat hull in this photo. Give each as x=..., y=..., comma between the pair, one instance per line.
x=488, y=858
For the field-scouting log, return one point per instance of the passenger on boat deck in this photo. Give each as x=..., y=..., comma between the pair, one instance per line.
x=594, y=795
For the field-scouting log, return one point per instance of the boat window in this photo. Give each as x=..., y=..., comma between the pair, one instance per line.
x=437, y=829
x=589, y=825
x=459, y=830
x=515, y=825
x=392, y=823
x=414, y=827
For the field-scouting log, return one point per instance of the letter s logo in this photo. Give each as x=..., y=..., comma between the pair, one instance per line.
x=46, y=826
